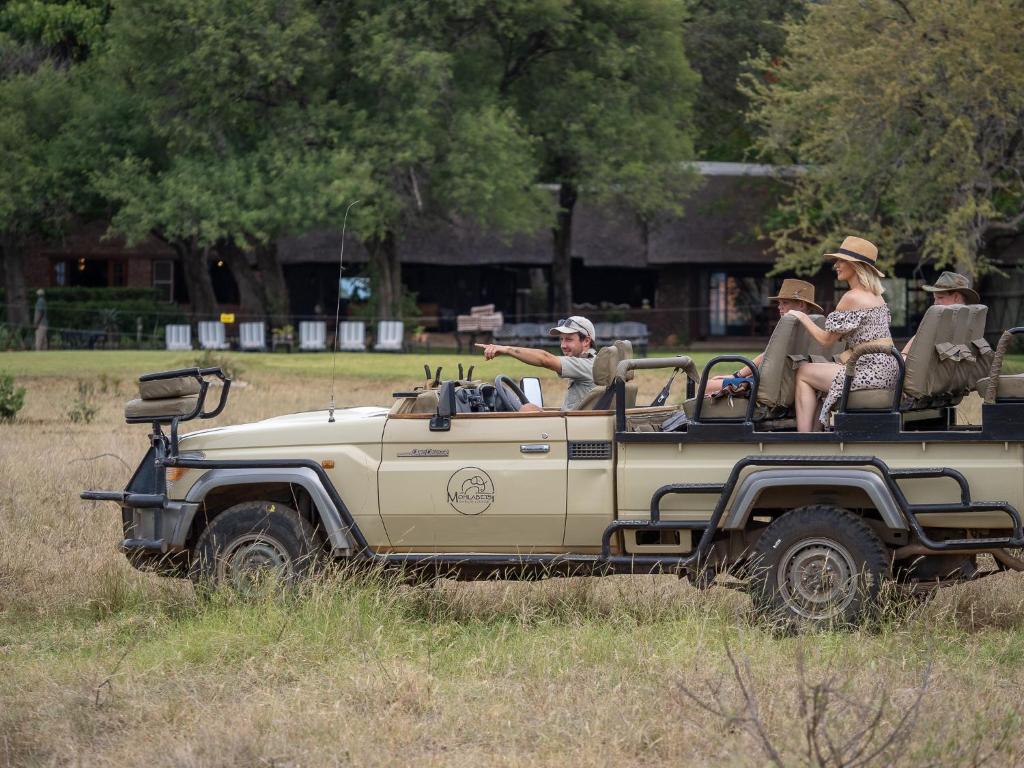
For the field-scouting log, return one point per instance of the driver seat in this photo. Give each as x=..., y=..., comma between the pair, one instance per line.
x=602, y=396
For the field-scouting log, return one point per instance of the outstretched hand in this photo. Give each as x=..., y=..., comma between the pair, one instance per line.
x=491, y=351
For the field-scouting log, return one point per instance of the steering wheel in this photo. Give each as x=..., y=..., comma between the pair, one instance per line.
x=503, y=385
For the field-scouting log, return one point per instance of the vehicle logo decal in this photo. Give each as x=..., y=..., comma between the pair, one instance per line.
x=423, y=453
x=470, y=491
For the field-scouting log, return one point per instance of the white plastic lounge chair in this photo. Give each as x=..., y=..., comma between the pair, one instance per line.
x=178, y=337
x=312, y=336
x=212, y=335
x=390, y=336
x=352, y=336
x=252, y=336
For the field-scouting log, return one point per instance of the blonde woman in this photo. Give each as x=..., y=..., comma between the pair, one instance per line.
x=861, y=316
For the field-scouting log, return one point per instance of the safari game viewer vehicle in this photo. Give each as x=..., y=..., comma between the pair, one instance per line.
x=453, y=480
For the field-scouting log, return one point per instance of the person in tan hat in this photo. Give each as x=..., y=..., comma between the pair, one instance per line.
x=794, y=294
x=576, y=338
x=860, y=317
x=950, y=290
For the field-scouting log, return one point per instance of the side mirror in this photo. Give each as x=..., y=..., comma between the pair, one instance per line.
x=441, y=421
x=531, y=388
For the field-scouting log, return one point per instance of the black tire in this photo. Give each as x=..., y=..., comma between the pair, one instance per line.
x=818, y=566
x=252, y=541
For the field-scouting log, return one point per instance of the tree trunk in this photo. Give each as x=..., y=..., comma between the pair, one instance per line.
x=561, y=263
x=196, y=267
x=387, y=271
x=15, y=287
x=275, y=289
x=250, y=292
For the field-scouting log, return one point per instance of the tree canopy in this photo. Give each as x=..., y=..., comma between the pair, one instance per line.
x=908, y=116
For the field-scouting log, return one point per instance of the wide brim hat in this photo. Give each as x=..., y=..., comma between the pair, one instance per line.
x=574, y=324
x=797, y=290
x=857, y=250
x=954, y=281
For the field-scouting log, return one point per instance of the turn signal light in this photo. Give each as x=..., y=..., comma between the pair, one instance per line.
x=327, y=463
x=175, y=473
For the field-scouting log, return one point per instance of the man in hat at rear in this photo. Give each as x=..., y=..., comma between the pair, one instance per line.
x=950, y=290
x=576, y=338
x=794, y=294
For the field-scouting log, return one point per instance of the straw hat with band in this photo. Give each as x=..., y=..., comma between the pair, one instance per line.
x=954, y=281
x=858, y=251
x=797, y=290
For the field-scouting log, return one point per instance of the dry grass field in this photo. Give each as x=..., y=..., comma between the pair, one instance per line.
x=103, y=666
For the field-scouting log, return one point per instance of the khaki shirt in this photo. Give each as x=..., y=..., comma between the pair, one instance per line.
x=580, y=373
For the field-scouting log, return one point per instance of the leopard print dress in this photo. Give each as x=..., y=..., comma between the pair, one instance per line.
x=873, y=371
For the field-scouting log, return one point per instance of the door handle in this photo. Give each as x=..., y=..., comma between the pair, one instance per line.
x=534, y=448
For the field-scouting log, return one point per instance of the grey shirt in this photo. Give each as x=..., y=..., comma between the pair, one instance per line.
x=580, y=373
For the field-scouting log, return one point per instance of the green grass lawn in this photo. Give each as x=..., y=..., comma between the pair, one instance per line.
x=77, y=363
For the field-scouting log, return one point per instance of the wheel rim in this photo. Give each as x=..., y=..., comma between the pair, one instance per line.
x=251, y=559
x=818, y=578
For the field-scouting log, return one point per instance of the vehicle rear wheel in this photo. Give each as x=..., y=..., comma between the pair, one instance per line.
x=818, y=565
x=254, y=542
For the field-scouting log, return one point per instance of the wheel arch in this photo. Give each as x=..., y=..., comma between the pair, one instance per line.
x=804, y=483
x=219, y=489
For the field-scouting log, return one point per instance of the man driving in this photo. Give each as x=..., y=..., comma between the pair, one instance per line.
x=576, y=364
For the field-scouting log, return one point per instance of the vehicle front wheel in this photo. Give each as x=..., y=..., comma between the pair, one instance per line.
x=253, y=542
x=818, y=565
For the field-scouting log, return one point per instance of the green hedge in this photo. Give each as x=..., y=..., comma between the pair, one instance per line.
x=101, y=309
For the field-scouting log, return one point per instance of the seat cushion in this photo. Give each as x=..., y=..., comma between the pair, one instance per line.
x=161, y=389
x=160, y=410
x=722, y=408
x=870, y=398
x=1009, y=386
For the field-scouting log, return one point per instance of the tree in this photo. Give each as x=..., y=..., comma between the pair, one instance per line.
x=233, y=141
x=909, y=117
x=40, y=182
x=721, y=36
x=438, y=144
x=605, y=89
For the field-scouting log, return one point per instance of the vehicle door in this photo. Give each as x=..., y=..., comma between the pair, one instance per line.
x=492, y=482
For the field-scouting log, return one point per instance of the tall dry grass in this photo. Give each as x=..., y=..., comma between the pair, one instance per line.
x=102, y=665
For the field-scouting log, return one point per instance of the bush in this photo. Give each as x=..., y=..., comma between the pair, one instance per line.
x=84, y=408
x=111, y=310
x=11, y=398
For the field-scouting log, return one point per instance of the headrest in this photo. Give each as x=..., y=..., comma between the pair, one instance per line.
x=625, y=353
x=604, y=365
x=159, y=389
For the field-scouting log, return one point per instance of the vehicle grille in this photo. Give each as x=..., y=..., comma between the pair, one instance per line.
x=590, y=449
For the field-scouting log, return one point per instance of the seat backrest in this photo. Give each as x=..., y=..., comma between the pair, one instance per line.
x=605, y=332
x=352, y=334
x=786, y=349
x=937, y=352
x=630, y=329
x=211, y=332
x=252, y=335
x=178, y=336
x=389, y=334
x=822, y=353
x=971, y=373
x=312, y=334
x=605, y=363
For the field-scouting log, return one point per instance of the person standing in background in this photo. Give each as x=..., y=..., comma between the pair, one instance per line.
x=40, y=321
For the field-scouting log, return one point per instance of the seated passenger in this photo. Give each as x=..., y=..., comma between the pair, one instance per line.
x=794, y=294
x=860, y=317
x=950, y=290
x=576, y=364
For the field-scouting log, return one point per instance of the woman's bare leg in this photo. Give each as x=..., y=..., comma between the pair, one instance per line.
x=811, y=378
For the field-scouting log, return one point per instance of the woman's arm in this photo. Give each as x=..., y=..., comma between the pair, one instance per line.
x=826, y=338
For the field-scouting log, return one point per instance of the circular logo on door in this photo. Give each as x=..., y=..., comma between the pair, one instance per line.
x=470, y=491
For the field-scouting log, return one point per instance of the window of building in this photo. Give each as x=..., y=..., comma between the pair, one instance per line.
x=118, y=273
x=60, y=273
x=738, y=304
x=163, y=279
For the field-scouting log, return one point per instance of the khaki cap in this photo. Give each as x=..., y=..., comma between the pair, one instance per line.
x=954, y=281
x=859, y=251
x=797, y=290
x=574, y=324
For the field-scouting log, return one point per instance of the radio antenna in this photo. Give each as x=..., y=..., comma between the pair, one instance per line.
x=337, y=310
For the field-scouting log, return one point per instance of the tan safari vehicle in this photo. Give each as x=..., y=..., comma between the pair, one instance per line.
x=453, y=480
